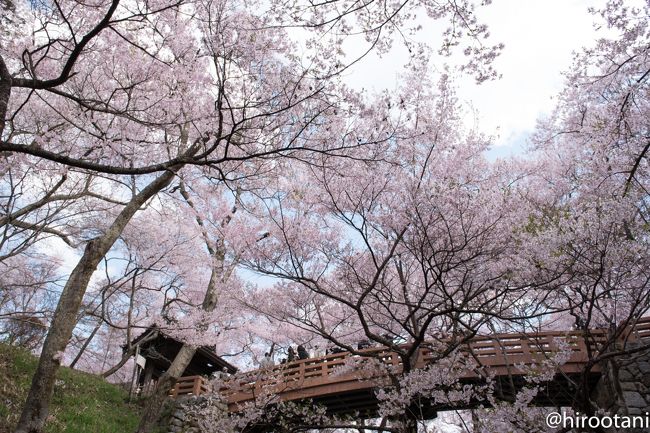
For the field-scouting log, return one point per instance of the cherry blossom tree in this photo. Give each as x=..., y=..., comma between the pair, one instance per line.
x=180, y=118
x=25, y=305
x=395, y=254
x=417, y=251
x=123, y=89
x=129, y=89
x=590, y=192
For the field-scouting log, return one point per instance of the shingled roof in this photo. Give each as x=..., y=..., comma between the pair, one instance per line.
x=161, y=349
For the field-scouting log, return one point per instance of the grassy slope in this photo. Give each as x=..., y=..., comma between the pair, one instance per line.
x=82, y=403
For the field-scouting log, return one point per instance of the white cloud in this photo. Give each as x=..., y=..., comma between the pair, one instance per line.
x=539, y=37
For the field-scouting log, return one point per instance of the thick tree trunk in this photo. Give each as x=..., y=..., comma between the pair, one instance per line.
x=5, y=93
x=165, y=383
x=35, y=410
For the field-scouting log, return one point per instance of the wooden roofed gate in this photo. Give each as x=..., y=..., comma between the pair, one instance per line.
x=329, y=380
x=157, y=350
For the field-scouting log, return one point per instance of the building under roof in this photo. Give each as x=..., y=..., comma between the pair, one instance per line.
x=159, y=350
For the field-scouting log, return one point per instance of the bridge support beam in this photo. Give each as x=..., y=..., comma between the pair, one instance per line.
x=624, y=387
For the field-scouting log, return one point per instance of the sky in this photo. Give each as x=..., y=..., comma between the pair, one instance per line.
x=540, y=38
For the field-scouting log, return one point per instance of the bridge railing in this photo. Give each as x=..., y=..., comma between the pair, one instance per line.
x=641, y=330
x=190, y=385
x=328, y=369
x=503, y=353
x=500, y=353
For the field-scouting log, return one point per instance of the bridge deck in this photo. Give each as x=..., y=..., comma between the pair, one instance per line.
x=344, y=381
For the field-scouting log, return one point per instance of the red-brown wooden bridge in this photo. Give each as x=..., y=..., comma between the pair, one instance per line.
x=331, y=381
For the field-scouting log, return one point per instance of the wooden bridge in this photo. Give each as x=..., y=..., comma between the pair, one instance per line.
x=344, y=383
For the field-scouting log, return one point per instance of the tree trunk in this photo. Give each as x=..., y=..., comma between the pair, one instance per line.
x=154, y=404
x=409, y=424
x=5, y=93
x=36, y=407
x=85, y=345
x=165, y=383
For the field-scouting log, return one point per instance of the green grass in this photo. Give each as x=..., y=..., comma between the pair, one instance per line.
x=82, y=403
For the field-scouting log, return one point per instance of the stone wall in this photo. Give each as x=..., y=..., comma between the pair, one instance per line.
x=624, y=387
x=180, y=420
x=179, y=423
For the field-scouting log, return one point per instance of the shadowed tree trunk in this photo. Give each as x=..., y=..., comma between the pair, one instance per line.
x=5, y=86
x=165, y=383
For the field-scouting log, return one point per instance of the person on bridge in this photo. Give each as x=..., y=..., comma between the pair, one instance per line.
x=267, y=361
x=302, y=353
x=291, y=354
x=316, y=352
x=364, y=344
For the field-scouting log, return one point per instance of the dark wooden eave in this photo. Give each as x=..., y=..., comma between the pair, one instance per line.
x=162, y=349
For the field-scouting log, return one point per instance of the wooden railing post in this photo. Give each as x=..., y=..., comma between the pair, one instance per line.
x=582, y=347
x=301, y=372
x=499, y=353
x=196, y=388
x=525, y=350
